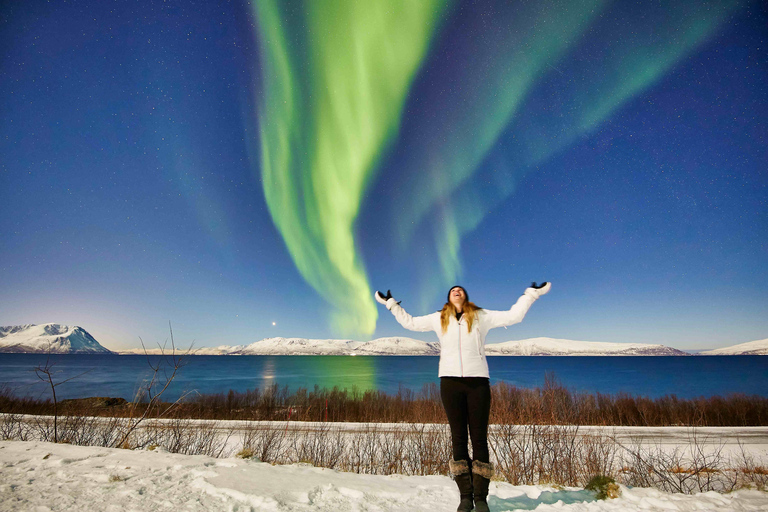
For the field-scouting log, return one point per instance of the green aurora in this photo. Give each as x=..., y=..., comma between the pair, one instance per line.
x=336, y=76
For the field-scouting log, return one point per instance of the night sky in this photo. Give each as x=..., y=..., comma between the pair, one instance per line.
x=248, y=170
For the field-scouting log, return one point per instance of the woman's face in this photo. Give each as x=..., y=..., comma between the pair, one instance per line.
x=457, y=296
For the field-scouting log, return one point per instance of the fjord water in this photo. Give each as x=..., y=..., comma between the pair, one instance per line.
x=122, y=376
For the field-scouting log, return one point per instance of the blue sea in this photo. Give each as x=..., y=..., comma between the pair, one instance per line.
x=122, y=376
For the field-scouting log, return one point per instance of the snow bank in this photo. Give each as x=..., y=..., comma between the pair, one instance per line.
x=46, y=476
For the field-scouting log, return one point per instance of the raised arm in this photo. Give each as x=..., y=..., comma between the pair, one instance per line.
x=517, y=312
x=412, y=323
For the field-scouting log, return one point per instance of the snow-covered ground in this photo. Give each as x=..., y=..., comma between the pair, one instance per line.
x=44, y=476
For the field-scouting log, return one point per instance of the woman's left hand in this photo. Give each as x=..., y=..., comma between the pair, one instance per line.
x=538, y=290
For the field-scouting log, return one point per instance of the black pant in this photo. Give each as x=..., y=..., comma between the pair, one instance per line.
x=467, y=403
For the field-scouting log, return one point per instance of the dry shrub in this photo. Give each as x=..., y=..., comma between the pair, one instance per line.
x=179, y=435
x=558, y=454
x=321, y=447
x=267, y=443
x=751, y=473
x=12, y=426
x=392, y=447
x=375, y=451
x=245, y=453
x=427, y=450
x=415, y=449
x=698, y=466
x=363, y=455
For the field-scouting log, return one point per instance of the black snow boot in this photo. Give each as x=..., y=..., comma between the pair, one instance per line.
x=482, y=473
x=463, y=477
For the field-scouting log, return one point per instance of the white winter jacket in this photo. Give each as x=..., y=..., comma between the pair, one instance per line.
x=462, y=352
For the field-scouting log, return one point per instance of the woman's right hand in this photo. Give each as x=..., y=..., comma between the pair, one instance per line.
x=381, y=298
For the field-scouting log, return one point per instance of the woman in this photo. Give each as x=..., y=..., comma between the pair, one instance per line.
x=461, y=327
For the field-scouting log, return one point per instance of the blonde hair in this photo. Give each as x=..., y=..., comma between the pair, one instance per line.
x=469, y=310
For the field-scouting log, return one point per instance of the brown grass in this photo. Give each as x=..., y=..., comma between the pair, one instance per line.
x=552, y=404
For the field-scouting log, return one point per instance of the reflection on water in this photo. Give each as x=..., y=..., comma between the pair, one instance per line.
x=269, y=369
x=349, y=372
x=120, y=376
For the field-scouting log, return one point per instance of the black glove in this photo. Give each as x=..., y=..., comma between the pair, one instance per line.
x=537, y=291
x=382, y=299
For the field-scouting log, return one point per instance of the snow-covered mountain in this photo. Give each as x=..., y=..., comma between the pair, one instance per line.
x=752, y=348
x=222, y=350
x=311, y=347
x=398, y=346
x=556, y=347
x=268, y=346
x=300, y=346
x=412, y=347
x=49, y=339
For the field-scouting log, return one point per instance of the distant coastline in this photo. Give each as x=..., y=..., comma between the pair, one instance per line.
x=63, y=339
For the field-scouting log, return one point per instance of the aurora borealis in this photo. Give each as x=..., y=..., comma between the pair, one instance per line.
x=321, y=135
x=230, y=165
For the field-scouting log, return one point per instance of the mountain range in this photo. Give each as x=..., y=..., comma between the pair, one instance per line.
x=409, y=346
x=310, y=347
x=63, y=339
